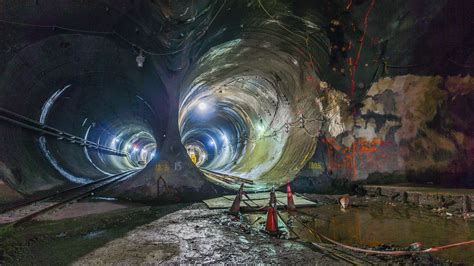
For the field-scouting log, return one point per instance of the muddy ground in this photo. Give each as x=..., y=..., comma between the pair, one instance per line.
x=201, y=236
x=61, y=242
x=179, y=233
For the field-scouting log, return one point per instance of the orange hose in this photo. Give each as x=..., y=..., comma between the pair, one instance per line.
x=392, y=252
x=470, y=242
x=397, y=252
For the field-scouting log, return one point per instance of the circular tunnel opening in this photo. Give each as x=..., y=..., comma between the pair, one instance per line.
x=122, y=121
x=119, y=109
x=141, y=149
x=241, y=115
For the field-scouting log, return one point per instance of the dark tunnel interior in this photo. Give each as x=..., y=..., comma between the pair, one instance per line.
x=161, y=114
x=229, y=93
x=106, y=102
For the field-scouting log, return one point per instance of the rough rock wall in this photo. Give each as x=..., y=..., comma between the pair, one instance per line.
x=418, y=127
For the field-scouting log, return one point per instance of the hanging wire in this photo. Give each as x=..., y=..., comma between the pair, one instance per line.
x=113, y=33
x=459, y=64
x=55, y=27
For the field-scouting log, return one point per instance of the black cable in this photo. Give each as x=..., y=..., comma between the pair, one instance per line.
x=107, y=33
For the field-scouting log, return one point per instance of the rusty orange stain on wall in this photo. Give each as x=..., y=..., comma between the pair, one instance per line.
x=348, y=155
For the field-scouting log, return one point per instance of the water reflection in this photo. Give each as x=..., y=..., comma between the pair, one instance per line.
x=384, y=224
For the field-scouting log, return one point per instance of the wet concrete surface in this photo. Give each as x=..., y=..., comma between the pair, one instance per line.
x=13, y=215
x=201, y=235
x=195, y=234
x=72, y=210
x=61, y=242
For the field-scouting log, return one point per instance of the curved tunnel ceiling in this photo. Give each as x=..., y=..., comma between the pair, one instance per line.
x=239, y=89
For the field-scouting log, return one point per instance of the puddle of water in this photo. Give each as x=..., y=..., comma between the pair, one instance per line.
x=93, y=234
x=103, y=198
x=385, y=224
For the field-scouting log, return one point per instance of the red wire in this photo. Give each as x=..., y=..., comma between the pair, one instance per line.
x=354, y=66
x=451, y=246
x=393, y=252
x=349, y=5
x=397, y=252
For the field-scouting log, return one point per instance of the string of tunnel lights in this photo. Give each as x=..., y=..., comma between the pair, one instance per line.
x=301, y=122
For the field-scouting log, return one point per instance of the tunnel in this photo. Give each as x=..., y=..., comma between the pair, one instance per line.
x=246, y=111
x=90, y=100
x=316, y=121
x=242, y=113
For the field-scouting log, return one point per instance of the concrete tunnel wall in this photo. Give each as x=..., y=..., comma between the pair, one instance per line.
x=39, y=62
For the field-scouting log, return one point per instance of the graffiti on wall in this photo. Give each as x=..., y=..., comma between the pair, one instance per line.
x=407, y=124
x=362, y=155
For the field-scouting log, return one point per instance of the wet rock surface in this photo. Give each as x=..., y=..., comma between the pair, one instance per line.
x=198, y=235
x=445, y=202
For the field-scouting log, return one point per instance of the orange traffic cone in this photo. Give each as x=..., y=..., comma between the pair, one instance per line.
x=289, y=196
x=272, y=224
x=235, y=208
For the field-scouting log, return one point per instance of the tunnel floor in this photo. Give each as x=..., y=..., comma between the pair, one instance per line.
x=104, y=232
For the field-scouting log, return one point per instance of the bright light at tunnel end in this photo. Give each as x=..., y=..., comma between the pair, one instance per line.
x=140, y=148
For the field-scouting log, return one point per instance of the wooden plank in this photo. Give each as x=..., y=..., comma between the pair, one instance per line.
x=257, y=200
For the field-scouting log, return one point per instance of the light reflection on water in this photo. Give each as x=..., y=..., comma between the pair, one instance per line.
x=383, y=224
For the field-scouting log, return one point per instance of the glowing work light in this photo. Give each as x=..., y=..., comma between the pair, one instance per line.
x=202, y=106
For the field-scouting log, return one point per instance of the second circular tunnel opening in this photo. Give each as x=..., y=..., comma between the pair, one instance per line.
x=240, y=118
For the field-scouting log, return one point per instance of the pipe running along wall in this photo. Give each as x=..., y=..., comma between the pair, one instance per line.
x=248, y=111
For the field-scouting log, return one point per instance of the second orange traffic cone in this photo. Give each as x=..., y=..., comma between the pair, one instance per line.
x=289, y=196
x=235, y=208
x=271, y=225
